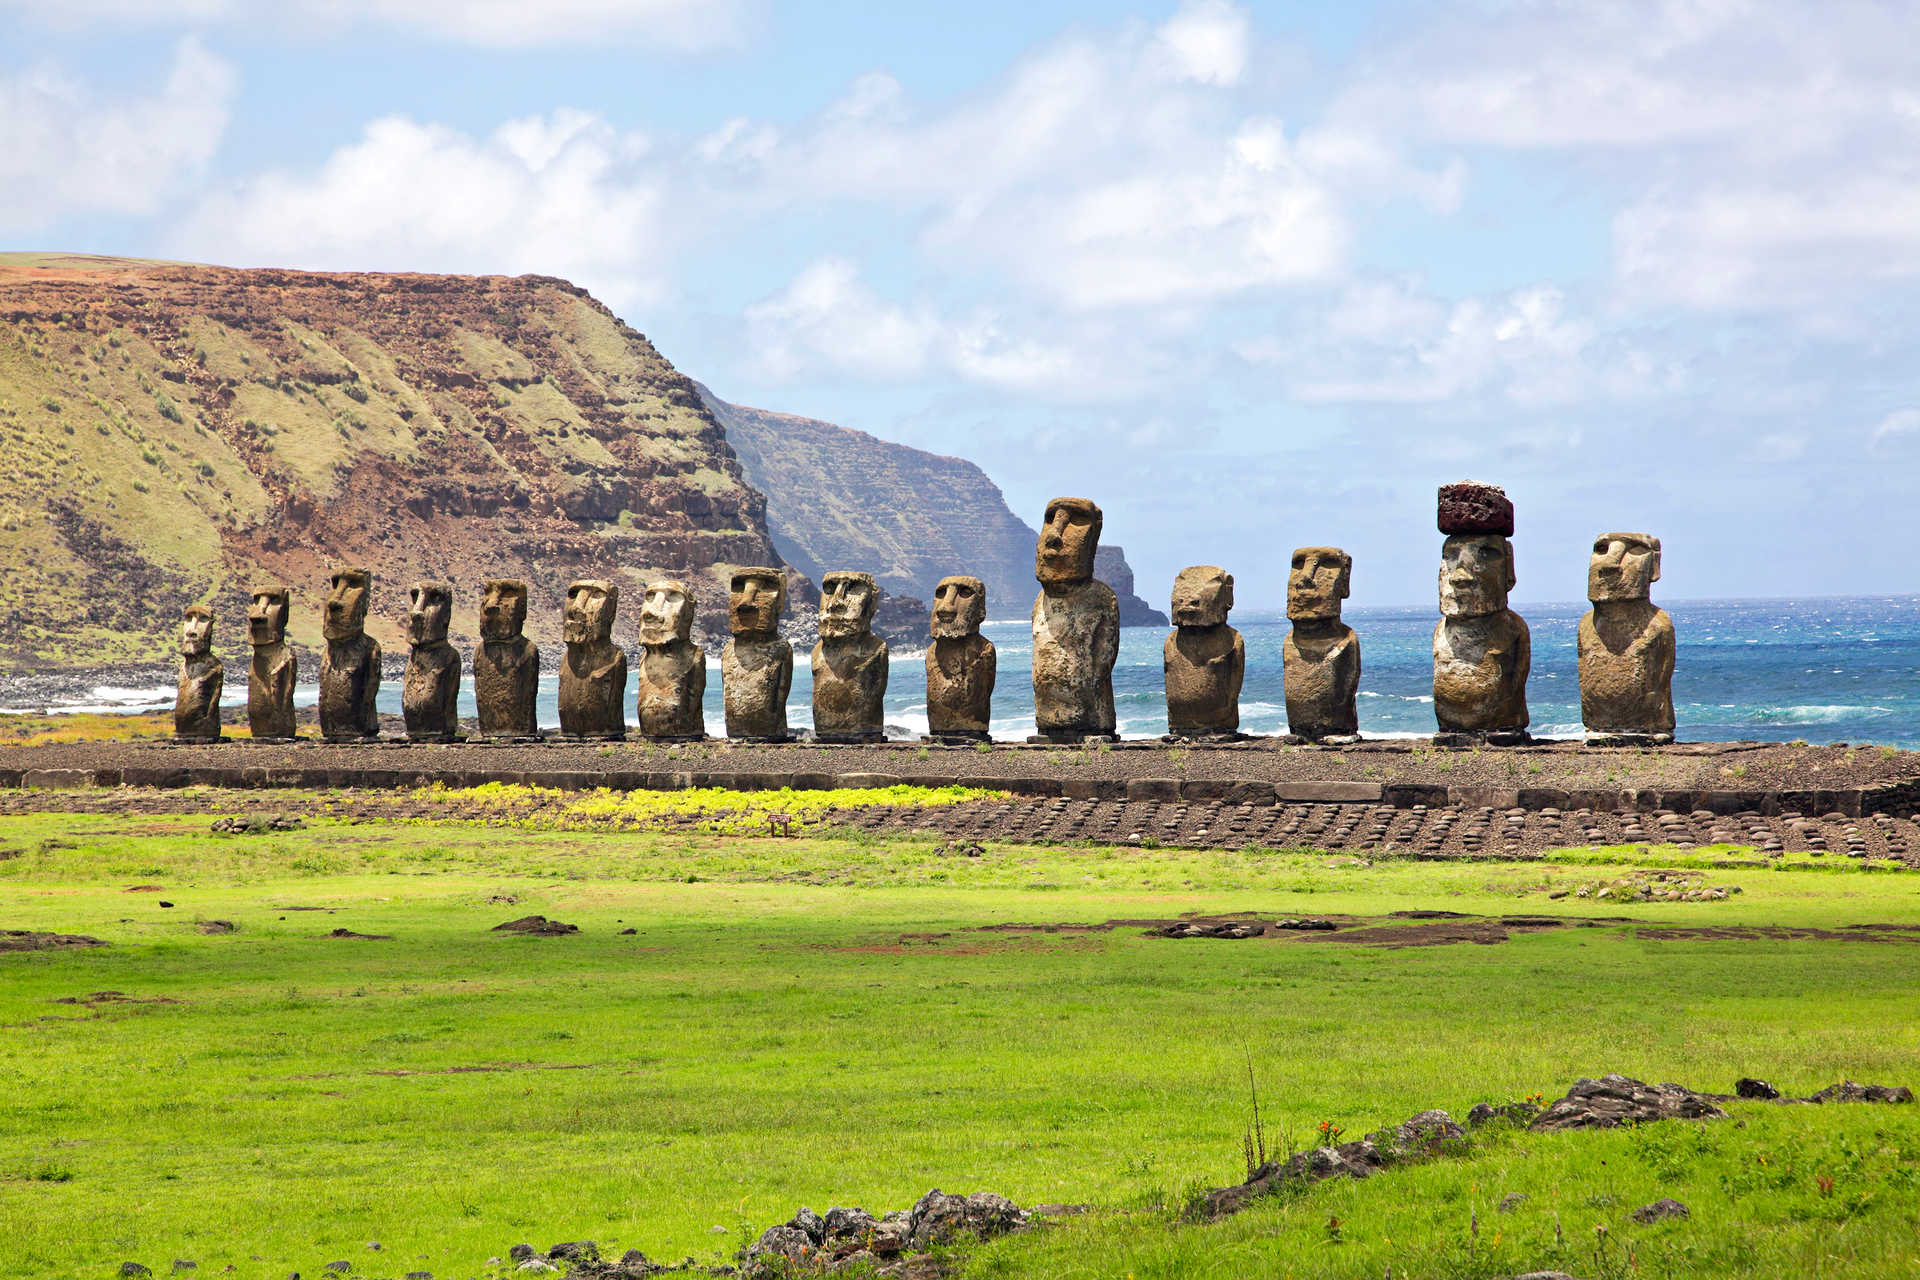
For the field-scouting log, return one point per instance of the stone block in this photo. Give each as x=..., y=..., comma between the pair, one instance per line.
x=1034, y=786
x=1543, y=798
x=58, y=778
x=1328, y=792
x=1153, y=789
x=1405, y=795
x=849, y=781
x=1256, y=793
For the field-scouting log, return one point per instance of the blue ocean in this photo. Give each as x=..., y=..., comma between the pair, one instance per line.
x=1838, y=669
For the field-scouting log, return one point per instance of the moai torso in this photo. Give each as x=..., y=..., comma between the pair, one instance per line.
x=1203, y=660
x=1626, y=643
x=1480, y=667
x=961, y=663
x=273, y=671
x=350, y=664
x=1076, y=626
x=849, y=662
x=673, y=669
x=1322, y=654
x=755, y=677
x=593, y=675
x=506, y=666
x=196, y=699
x=430, y=696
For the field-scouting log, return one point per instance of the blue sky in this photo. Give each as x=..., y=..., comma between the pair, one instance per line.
x=1251, y=276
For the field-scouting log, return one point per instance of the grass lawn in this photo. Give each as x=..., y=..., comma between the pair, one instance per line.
x=833, y=1021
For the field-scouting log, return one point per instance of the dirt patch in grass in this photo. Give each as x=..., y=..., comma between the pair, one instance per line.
x=364, y=937
x=537, y=927
x=1747, y=933
x=28, y=940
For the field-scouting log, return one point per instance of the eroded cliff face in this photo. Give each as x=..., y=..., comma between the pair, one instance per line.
x=842, y=499
x=170, y=433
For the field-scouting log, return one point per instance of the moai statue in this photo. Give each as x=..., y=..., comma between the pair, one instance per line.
x=849, y=662
x=961, y=663
x=1076, y=629
x=1205, y=660
x=350, y=665
x=593, y=678
x=1322, y=654
x=756, y=667
x=506, y=666
x=1481, y=648
x=271, y=677
x=673, y=670
x=430, y=696
x=1626, y=645
x=196, y=701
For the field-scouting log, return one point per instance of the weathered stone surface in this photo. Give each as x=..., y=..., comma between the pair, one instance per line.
x=673, y=669
x=939, y=1218
x=1660, y=1210
x=506, y=666
x=350, y=663
x=1322, y=654
x=1851, y=1091
x=1076, y=627
x=1482, y=650
x=1626, y=643
x=849, y=662
x=593, y=676
x=1748, y=1087
x=961, y=663
x=1614, y=1100
x=196, y=699
x=1472, y=509
x=1204, y=660
x=430, y=692
x=756, y=667
x=273, y=672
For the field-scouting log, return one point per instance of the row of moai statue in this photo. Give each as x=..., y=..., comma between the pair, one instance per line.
x=1481, y=651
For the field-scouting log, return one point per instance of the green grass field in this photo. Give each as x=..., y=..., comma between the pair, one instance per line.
x=835, y=1021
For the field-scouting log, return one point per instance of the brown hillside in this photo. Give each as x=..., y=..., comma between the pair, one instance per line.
x=168, y=433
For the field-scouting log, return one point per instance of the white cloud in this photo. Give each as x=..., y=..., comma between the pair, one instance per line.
x=1894, y=431
x=1206, y=42
x=684, y=25
x=69, y=149
x=562, y=194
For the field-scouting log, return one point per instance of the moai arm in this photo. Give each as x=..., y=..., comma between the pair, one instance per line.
x=1239, y=670
x=370, y=710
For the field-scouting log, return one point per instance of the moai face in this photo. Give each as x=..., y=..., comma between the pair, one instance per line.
x=1476, y=572
x=666, y=615
x=503, y=609
x=959, y=607
x=346, y=610
x=591, y=603
x=755, y=601
x=1624, y=567
x=429, y=612
x=1202, y=595
x=196, y=631
x=847, y=601
x=1319, y=580
x=1067, y=542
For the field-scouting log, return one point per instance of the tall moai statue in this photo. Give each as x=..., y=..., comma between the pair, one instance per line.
x=1204, y=659
x=756, y=667
x=506, y=666
x=1481, y=649
x=1626, y=645
x=1076, y=629
x=673, y=669
x=350, y=664
x=593, y=677
x=274, y=670
x=196, y=700
x=961, y=663
x=849, y=662
x=1322, y=654
x=430, y=694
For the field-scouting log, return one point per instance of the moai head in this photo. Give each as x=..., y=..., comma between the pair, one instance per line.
x=1068, y=540
x=503, y=609
x=959, y=607
x=267, y=614
x=666, y=614
x=1624, y=567
x=591, y=603
x=1320, y=579
x=196, y=631
x=429, y=612
x=346, y=612
x=847, y=601
x=1476, y=572
x=1202, y=595
x=756, y=599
